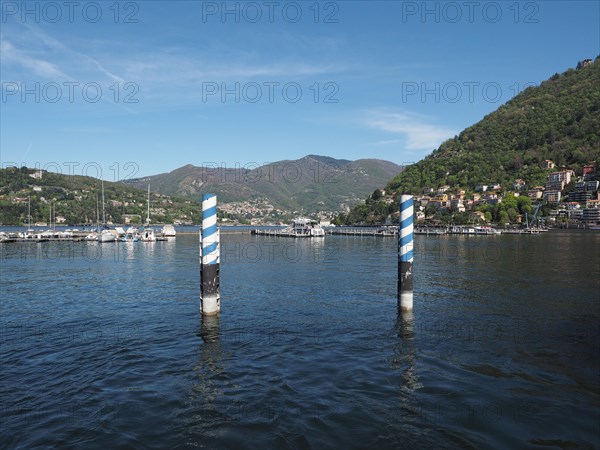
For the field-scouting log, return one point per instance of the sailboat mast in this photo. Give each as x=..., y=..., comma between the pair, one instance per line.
x=148, y=216
x=29, y=213
x=97, y=212
x=103, y=213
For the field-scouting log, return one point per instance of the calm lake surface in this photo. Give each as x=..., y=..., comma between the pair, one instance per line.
x=103, y=346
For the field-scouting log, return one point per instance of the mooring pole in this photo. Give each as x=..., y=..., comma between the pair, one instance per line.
x=210, y=295
x=405, y=254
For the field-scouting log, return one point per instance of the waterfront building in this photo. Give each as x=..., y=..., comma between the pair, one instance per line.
x=591, y=215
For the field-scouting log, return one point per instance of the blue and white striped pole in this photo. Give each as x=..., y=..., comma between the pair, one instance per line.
x=405, y=253
x=210, y=295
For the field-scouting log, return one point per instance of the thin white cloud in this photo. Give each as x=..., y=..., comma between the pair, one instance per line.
x=61, y=48
x=389, y=142
x=163, y=75
x=196, y=70
x=40, y=67
x=417, y=130
x=100, y=67
x=62, y=54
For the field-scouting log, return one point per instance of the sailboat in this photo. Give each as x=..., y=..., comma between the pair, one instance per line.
x=30, y=233
x=93, y=235
x=29, y=230
x=148, y=233
x=106, y=235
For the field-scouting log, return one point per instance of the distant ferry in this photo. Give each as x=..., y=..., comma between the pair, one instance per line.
x=303, y=227
x=299, y=228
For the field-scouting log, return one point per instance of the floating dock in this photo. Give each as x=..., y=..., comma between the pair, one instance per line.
x=279, y=232
x=359, y=231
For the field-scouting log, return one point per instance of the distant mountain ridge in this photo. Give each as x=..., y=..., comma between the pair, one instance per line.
x=309, y=184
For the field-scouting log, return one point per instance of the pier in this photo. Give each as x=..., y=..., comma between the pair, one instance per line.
x=388, y=231
x=470, y=230
x=279, y=232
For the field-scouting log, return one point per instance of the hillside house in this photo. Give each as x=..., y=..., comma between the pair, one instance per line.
x=562, y=175
x=478, y=216
x=535, y=193
x=519, y=184
x=552, y=196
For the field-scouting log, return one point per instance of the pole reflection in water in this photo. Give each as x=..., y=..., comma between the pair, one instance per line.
x=210, y=329
x=404, y=358
x=205, y=397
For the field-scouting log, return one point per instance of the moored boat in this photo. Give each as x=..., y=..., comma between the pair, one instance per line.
x=129, y=237
x=147, y=235
x=107, y=235
x=168, y=231
x=93, y=236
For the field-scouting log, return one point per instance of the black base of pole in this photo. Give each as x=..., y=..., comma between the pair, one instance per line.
x=405, y=277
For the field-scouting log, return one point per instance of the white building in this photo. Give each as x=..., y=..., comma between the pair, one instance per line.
x=563, y=175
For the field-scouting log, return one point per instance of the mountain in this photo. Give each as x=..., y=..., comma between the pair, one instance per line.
x=77, y=200
x=558, y=120
x=309, y=184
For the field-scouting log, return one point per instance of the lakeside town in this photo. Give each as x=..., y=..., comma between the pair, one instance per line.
x=567, y=199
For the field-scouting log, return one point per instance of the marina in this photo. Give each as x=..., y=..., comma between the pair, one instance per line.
x=151, y=234
x=117, y=234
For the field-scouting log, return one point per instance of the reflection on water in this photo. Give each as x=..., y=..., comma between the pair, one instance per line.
x=210, y=329
x=404, y=354
x=501, y=350
x=204, y=396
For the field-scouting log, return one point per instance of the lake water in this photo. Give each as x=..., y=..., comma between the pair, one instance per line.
x=103, y=346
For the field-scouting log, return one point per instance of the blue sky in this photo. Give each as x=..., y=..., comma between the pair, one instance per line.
x=140, y=88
